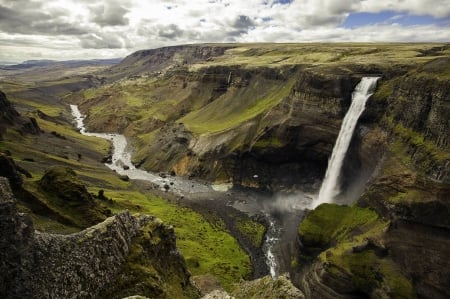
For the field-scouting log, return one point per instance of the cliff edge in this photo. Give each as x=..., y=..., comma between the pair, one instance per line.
x=112, y=259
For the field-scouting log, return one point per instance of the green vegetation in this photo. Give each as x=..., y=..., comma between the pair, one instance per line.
x=276, y=55
x=237, y=106
x=417, y=140
x=153, y=276
x=330, y=222
x=207, y=248
x=66, y=199
x=349, y=228
x=254, y=230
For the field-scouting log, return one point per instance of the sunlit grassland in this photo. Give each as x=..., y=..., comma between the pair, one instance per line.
x=139, y=98
x=206, y=248
x=275, y=55
x=237, y=106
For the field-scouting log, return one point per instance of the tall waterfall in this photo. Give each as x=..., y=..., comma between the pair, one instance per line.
x=330, y=185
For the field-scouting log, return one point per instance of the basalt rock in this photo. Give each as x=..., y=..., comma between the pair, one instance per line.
x=9, y=169
x=90, y=263
x=16, y=247
x=268, y=288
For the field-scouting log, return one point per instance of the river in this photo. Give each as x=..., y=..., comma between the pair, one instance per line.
x=282, y=212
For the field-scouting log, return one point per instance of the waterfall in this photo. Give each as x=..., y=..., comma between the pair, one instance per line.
x=330, y=185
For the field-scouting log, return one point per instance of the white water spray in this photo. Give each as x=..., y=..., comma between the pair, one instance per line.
x=330, y=185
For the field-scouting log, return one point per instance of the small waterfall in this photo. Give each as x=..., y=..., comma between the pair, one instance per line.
x=272, y=238
x=330, y=185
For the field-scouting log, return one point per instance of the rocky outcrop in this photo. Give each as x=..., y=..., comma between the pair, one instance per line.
x=82, y=264
x=9, y=117
x=268, y=288
x=262, y=288
x=318, y=282
x=16, y=247
x=89, y=263
x=418, y=118
x=67, y=195
x=9, y=169
x=158, y=61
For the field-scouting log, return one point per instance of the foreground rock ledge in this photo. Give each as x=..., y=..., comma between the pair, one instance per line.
x=87, y=264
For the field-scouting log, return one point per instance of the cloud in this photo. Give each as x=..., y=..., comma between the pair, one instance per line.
x=169, y=32
x=109, y=13
x=113, y=27
x=33, y=19
x=101, y=41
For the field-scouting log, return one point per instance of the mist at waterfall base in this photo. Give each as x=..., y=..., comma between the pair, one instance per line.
x=331, y=185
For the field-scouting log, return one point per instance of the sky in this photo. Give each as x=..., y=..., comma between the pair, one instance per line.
x=87, y=29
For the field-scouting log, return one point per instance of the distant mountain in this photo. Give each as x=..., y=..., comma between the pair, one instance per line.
x=68, y=63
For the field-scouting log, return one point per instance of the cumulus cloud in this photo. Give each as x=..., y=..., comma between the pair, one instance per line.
x=109, y=13
x=114, y=27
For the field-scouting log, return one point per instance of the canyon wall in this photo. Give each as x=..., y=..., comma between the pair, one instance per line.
x=100, y=261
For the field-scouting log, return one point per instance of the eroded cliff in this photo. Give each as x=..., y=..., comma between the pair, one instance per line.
x=124, y=255
x=406, y=130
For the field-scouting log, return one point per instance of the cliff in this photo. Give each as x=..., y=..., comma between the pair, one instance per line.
x=406, y=131
x=105, y=260
x=10, y=118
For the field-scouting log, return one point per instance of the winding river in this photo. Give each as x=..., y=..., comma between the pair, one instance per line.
x=282, y=213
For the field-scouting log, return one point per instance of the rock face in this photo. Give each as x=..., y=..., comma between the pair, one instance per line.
x=294, y=135
x=9, y=117
x=66, y=193
x=405, y=130
x=268, y=288
x=16, y=247
x=85, y=264
x=263, y=288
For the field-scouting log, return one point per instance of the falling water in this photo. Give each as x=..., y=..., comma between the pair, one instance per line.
x=330, y=185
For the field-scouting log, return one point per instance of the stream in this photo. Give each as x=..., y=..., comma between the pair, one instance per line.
x=281, y=212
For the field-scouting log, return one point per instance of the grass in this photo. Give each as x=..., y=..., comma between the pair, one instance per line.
x=255, y=231
x=206, y=248
x=237, y=106
x=330, y=222
x=275, y=55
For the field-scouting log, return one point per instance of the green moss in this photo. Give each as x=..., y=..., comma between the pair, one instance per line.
x=150, y=276
x=348, y=228
x=384, y=90
x=330, y=222
x=417, y=140
x=400, y=286
x=254, y=230
x=364, y=269
x=206, y=247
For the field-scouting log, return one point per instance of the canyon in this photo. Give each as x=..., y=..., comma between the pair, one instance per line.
x=258, y=121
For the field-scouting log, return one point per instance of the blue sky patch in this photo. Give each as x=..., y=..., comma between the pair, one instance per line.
x=390, y=17
x=283, y=1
